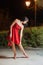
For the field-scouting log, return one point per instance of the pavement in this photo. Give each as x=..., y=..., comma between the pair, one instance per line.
x=35, y=57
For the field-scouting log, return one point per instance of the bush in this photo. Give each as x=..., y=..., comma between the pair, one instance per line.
x=3, y=40
x=32, y=37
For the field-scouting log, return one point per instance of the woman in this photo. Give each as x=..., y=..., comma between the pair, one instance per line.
x=16, y=32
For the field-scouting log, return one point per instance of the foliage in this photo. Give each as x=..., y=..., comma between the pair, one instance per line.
x=3, y=40
x=32, y=37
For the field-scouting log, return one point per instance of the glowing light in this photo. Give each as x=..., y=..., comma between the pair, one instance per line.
x=35, y=0
x=27, y=3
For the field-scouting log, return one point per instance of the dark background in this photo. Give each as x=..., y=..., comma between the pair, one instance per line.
x=11, y=9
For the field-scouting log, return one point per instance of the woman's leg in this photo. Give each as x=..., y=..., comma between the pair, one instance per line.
x=22, y=49
x=14, y=49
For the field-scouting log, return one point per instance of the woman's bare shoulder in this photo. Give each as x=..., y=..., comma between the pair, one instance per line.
x=17, y=19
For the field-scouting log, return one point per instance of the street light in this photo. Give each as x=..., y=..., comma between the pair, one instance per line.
x=35, y=0
x=27, y=3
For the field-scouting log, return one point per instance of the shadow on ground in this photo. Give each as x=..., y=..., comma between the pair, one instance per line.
x=5, y=57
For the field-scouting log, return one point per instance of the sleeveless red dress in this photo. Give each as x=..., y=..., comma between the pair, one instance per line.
x=15, y=35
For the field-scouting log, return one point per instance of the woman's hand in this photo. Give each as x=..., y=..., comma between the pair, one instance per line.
x=10, y=35
x=20, y=42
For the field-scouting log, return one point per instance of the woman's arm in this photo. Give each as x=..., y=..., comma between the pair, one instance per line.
x=12, y=26
x=21, y=34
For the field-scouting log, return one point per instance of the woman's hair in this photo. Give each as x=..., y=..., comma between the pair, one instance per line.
x=24, y=18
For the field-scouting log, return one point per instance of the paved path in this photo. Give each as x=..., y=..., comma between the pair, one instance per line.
x=35, y=57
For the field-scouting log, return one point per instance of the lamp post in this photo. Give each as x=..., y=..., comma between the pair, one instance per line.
x=27, y=3
x=35, y=10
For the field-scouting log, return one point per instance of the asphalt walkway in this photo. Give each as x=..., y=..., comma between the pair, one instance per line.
x=35, y=57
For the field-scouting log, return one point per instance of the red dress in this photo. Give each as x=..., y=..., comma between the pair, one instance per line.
x=15, y=35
